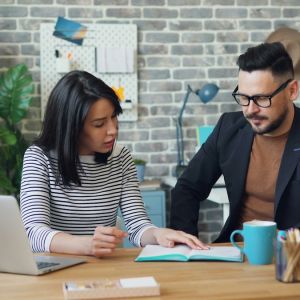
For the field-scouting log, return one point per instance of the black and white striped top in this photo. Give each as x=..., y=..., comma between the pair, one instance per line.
x=48, y=208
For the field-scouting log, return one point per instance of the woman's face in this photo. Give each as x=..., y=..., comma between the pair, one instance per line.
x=100, y=129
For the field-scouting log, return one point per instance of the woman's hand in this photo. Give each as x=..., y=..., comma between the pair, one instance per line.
x=168, y=237
x=105, y=240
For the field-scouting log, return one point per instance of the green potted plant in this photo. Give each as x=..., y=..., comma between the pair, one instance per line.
x=140, y=168
x=16, y=88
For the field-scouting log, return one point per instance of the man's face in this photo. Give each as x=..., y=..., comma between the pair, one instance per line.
x=274, y=120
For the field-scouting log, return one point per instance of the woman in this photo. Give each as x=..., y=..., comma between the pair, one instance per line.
x=75, y=177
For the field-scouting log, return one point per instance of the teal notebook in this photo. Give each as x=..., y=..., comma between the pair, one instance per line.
x=185, y=253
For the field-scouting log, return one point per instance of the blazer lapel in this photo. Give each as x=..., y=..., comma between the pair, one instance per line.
x=290, y=158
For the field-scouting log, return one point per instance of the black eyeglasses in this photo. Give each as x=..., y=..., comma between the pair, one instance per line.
x=260, y=100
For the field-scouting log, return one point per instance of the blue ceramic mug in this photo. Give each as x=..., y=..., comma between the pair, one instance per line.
x=258, y=239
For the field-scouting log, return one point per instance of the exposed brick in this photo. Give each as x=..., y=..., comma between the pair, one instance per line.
x=169, y=62
x=232, y=37
x=254, y=3
x=148, y=2
x=257, y=24
x=14, y=37
x=31, y=2
x=284, y=3
x=154, y=74
x=75, y=2
x=183, y=2
x=199, y=13
x=258, y=36
x=12, y=11
x=209, y=226
x=143, y=111
x=30, y=49
x=155, y=98
x=123, y=12
x=7, y=24
x=231, y=13
x=214, y=215
x=150, y=25
x=264, y=13
x=111, y=2
x=152, y=49
x=47, y=12
x=220, y=24
x=162, y=37
x=133, y=136
x=85, y=12
x=198, y=37
x=165, y=110
x=218, y=49
x=284, y=23
x=158, y=13
x=9, y=50
x=10, y=61
x=187, y=50
x=157, y=171
x=222, y=72
x=162, y=158
x=198, y=61
x=185, y=25
x=151, y=147
x=164, y=86
x=163, y=134
x=156, y=122
x=188, y=73
x=291, y=13
x=33, y=24
x=218, y=2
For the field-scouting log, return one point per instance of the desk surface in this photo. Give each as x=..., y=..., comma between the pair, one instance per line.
x=178, y=280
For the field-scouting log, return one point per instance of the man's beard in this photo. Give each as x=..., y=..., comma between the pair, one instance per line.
x=272, y=126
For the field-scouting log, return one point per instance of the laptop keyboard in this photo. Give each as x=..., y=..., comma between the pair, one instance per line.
x=43, y=264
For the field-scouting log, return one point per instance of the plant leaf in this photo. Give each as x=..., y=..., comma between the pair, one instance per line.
x=7, y=137
x=16, y=88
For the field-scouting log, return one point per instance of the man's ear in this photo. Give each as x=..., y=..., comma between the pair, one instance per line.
x=294, y=90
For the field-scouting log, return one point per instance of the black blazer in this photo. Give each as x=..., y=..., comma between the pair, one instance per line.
x=227, y=151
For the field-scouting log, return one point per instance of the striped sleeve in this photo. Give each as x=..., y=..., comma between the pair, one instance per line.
x=35, y=200
x=132, y=206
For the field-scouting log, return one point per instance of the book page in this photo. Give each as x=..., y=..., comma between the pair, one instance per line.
x=179, y=252
x=218, y=253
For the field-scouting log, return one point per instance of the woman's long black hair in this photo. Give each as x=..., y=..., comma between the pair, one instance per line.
x=66, y=111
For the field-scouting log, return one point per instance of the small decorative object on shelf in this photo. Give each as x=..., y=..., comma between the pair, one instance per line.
x=140, y=168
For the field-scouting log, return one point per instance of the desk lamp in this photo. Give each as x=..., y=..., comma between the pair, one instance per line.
x=205, y=94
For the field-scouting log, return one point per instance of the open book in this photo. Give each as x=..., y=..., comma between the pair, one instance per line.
x=185, y=253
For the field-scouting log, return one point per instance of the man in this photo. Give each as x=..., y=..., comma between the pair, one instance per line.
x=257, y=150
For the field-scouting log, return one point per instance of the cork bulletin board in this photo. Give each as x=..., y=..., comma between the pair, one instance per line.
x=86, y=57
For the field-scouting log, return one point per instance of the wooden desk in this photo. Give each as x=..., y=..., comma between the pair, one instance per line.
x=178, y=280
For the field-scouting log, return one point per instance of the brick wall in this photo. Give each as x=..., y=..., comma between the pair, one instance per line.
x=180, y=42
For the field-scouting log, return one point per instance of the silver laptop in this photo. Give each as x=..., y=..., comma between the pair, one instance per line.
x=15, y=251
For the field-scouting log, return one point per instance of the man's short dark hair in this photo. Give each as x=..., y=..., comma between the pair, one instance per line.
x=267, y=56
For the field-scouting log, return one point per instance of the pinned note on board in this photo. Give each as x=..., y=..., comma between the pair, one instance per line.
x=71, y=31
